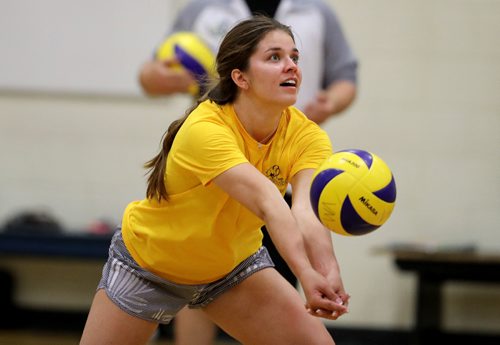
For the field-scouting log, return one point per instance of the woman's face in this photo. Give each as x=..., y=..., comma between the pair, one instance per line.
x=273, y=75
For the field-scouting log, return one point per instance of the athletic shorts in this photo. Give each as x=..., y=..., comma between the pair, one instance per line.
x=147, y=296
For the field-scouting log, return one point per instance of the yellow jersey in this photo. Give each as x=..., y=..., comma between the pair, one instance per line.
x=201, y=234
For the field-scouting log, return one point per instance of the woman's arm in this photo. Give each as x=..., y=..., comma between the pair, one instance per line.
x=317, y=238
x=252, y=189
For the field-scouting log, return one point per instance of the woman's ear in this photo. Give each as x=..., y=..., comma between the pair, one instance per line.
x=239, y=79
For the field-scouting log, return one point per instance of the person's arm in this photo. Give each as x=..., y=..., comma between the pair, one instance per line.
x=247, y=185
x=335, y=99
x=339, y=73
x=159, y=78
x=317, y=238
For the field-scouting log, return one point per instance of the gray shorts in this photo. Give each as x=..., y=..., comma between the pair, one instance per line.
x=149, y=297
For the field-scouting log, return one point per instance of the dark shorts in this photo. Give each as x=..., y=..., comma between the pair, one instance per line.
x=150, y=297
x=279, y=263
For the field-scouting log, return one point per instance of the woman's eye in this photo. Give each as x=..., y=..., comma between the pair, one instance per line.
x=295, y=59
x=275, y=57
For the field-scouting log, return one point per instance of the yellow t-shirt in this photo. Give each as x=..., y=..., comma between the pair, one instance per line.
x=200, y=234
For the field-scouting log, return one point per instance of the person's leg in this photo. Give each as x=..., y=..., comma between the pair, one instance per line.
x=265, y=309
x=108, y=324
x=193, y=327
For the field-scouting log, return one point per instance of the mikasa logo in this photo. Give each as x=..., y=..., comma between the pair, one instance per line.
x=354, y=164
x=366, y=202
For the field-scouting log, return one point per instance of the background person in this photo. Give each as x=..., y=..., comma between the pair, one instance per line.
x=328, y=63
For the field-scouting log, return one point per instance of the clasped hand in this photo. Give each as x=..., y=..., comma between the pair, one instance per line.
x=322, y=300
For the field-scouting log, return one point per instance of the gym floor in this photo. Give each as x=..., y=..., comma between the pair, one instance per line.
x=28, y=337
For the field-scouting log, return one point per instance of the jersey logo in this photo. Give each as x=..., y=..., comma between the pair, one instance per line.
x=273, y=173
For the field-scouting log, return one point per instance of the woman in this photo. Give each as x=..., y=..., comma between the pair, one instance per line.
x=196, y=239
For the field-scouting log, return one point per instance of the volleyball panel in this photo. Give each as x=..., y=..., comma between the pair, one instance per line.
x=347, y=161
x=330, y=191
x=368, y=206
x=380, y=177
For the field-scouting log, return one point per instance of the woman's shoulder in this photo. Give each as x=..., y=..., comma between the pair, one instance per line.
x=208, y=117
x=300, y=126
x=297, y=117
x=207, y=111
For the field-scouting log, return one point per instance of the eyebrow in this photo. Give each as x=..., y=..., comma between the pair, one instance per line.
x=295, y=50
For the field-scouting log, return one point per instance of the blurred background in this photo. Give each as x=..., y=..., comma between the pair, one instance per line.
x=75, y=131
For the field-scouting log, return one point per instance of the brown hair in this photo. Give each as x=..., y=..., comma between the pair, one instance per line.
x=234, y=53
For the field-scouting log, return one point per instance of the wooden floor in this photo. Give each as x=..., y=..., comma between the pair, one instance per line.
x=27, y=337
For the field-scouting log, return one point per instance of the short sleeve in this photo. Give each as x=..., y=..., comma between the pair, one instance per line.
x=313, y=147
x=207, y=149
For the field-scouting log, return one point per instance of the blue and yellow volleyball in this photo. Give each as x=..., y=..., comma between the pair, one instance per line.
x=193, y=55
x=353, y=192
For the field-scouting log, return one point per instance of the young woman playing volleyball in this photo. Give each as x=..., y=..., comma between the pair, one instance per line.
x=221, y=174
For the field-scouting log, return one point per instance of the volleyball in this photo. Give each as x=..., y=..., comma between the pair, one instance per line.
x=353, y=192
x=193, y=55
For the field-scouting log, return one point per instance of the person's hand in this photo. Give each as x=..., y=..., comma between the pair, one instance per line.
x=165, y=77
x=321, y=299
x=320, y=108
x=333, y=100
x=335, y=281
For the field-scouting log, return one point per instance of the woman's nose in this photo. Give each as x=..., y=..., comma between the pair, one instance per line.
x=291, y=64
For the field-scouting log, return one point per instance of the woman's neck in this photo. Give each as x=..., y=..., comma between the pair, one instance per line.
x=260, y=122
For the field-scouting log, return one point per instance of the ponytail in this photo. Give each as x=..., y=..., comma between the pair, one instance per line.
x=157, y=166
